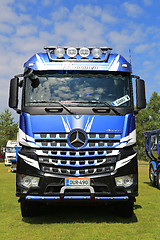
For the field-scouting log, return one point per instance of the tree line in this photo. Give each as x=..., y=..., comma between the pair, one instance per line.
x=8, y=128
x=146, y=119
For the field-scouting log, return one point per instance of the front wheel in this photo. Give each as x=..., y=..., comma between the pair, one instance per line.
x=158, y=178
x=152, y=176
x=29, y=209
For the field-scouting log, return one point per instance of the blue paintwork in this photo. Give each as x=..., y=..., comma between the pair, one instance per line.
x=149, y=148
x=101, y=124
x=13, y=160
x=148, y=143
x=35, y=124
x=30, y=197
x=114, y=63
x=154, y=164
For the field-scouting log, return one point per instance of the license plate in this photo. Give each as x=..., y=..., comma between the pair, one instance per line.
x=77, y=181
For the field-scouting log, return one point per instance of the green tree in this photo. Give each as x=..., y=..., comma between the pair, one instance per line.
x=8, y=128
x=147, y=119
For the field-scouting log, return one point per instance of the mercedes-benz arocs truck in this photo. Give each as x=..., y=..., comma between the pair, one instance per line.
x=77, y=129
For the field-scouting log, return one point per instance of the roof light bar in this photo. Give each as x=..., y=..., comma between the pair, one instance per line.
x=83, y=52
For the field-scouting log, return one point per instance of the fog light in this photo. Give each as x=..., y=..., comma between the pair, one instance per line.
x=96, y=52
x=119, y=182
x=29, y=181
x=124, y=181
x=59, y=52
x=35, y=182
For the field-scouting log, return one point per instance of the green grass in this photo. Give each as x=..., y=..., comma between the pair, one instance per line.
x=80, y=223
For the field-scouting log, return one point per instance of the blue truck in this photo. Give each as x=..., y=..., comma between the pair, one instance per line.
x=152, y=141
x=77, y=129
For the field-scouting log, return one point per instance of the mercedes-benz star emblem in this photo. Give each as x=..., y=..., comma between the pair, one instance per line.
x=77, y=138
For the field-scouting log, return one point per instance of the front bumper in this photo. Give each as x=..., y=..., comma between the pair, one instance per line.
x=102, y=184
x=101, y=190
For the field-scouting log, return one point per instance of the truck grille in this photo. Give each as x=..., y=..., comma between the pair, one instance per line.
x=59, y=140
x=98, y=156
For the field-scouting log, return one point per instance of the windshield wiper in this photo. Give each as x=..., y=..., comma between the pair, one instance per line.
x=99, y=102
x=61, y=104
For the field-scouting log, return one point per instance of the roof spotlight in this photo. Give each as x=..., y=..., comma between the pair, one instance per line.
x=71, y=52
x=96, y=52
x=84, y=52
x=59, y=52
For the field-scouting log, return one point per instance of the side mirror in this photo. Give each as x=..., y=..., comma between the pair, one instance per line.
x=140, y=94
x=13, y=93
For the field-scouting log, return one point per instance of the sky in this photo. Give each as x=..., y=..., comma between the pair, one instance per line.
x=27, y=26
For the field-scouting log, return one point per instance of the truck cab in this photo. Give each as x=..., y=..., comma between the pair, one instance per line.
x=10, y=152
x=77, y=129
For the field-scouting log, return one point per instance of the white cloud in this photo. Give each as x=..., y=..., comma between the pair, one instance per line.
x=25, y=30
x=7, y=15
x=27, y=45
x=147, y=63
x=132, y=10
x=80, y=11
x=44, y=21
x=83, y=25
x=5, y=28
x=46, y=2
x=157, y=76
x=60, y=14
x=142, y=48
x=123, y=40
x=87, y=10
x=6, y=2
x=22, y=7
x=3, y=40
x=107, y=18
x=77, y=32
x=148, y=2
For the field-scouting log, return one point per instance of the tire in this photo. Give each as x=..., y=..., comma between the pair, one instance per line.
x=152, y=176
x=125, y=209
x=29, y=209
x=158, y=178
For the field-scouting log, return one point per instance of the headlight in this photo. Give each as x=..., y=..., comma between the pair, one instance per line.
x=124, y=181
x=29, y=181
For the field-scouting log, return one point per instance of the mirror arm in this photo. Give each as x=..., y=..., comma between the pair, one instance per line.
x=136, y=111
x=19, y=75
x=135, y=76
x=18, y=111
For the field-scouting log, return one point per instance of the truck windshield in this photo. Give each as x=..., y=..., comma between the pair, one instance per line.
x=77, y=88
x=10, y=149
